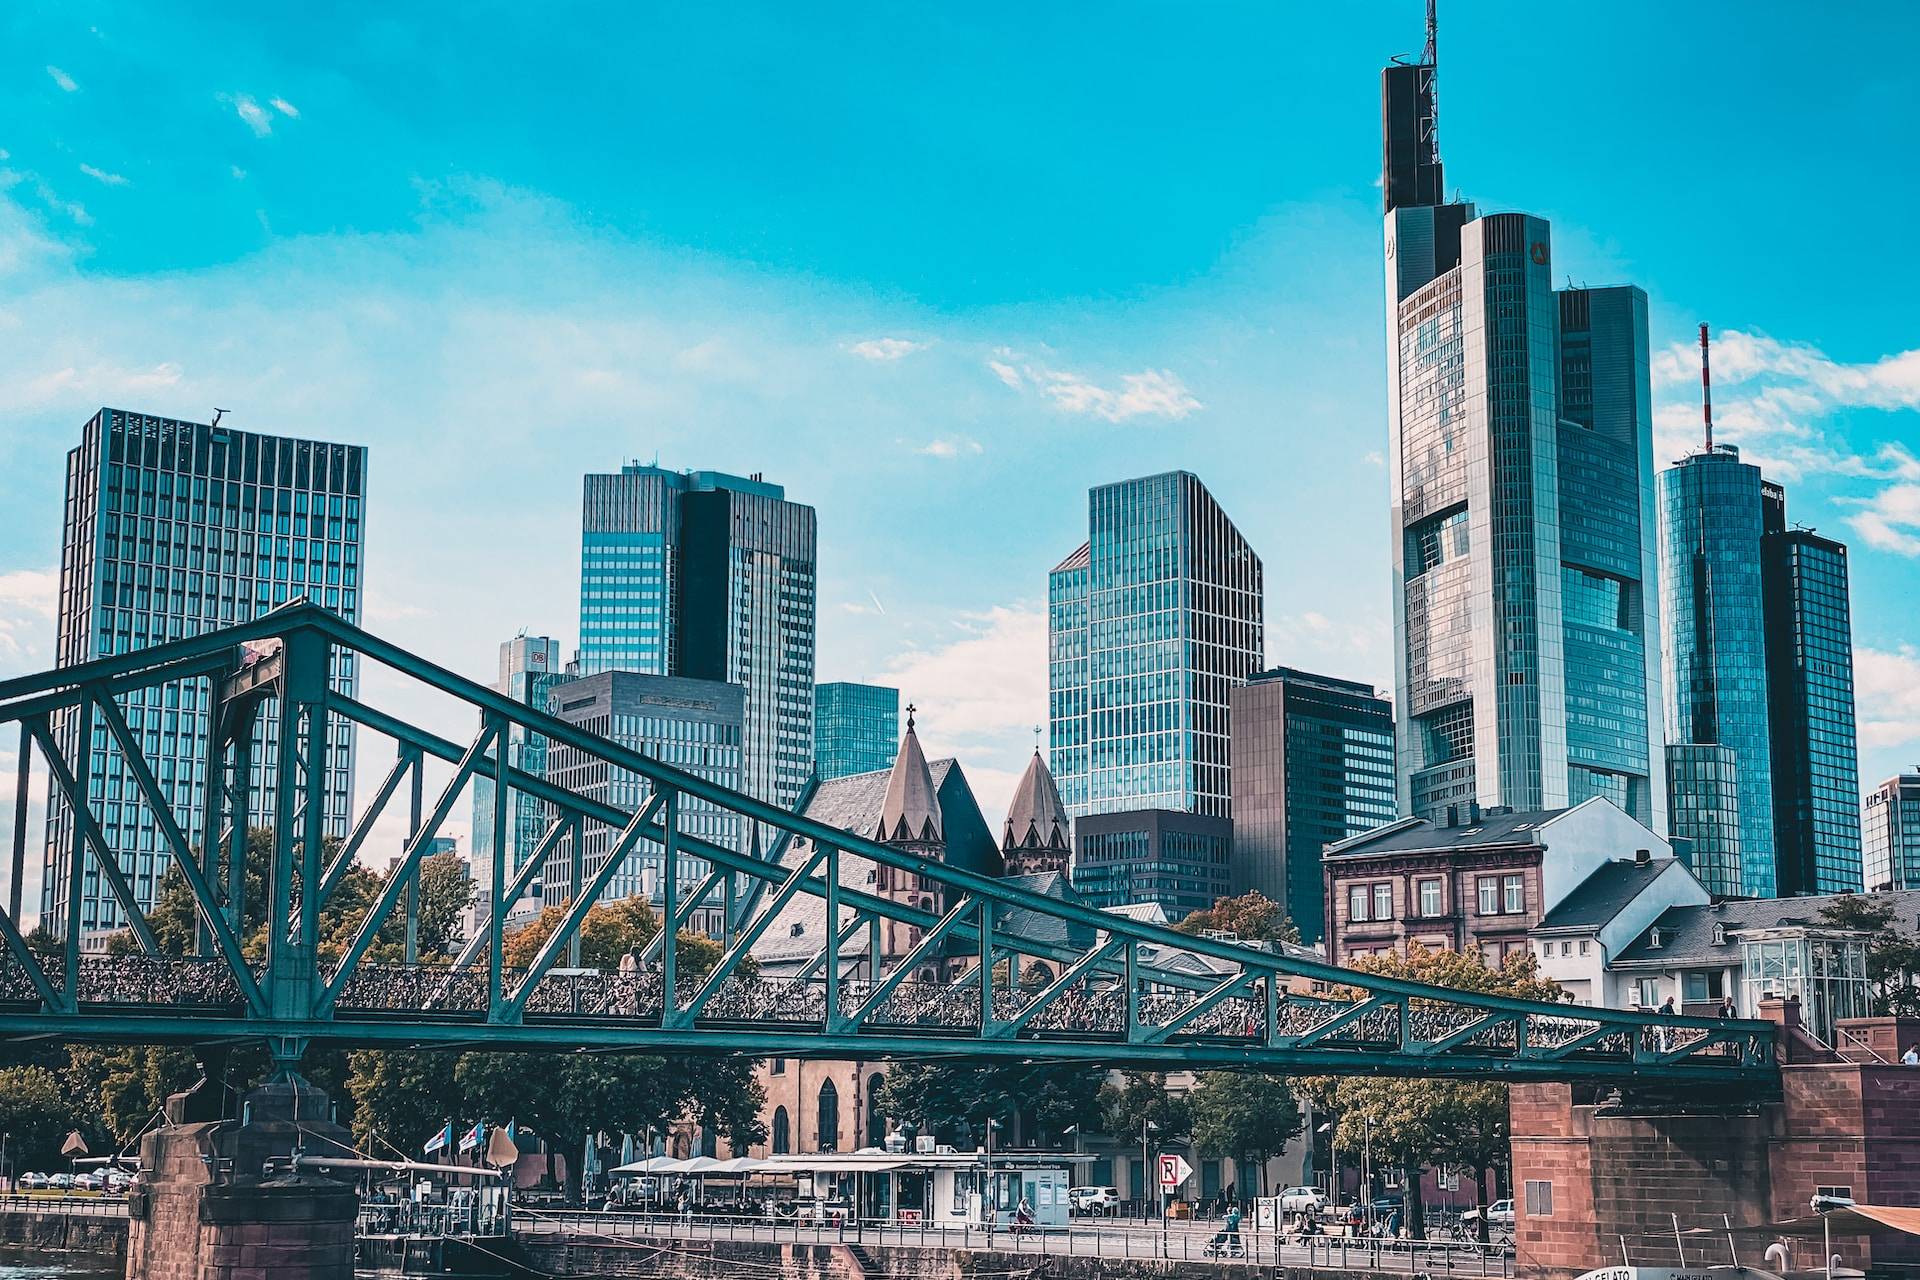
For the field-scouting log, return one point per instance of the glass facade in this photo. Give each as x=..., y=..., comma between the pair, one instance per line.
x=711, y=577
x=172, y=529
x=1827, y=975
x=1178, y=860
x=1151, y=625
x=1520, y=421
x=695, y=725
x=1703, y=780
x=855, y=728
x=529, y=668
x=1890, y=834
x=1716, y=660
x=1312, y=763
x=1816, y=762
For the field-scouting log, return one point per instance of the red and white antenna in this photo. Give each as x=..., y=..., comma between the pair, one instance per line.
x=1706, y=389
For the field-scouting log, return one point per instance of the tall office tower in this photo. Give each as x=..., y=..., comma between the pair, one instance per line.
x=711, y=577
x=1179, y=861
x=1523, y=514
x=1816, y=761
x=529, y=667
x=855, y=727
x=1717, y=660
x=694, y=725
x=1150, y=626
x=1312, y=763
x=1890, y=834
x=172, y=529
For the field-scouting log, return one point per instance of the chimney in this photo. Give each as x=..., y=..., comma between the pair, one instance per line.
x=1453, y=815
x=1473, y=811
x=1643, y=857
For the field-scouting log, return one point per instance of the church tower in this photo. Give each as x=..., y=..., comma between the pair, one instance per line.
x=909, y=821
x=1035, y=838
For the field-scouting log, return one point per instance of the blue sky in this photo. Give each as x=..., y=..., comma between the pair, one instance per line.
x=936, y=271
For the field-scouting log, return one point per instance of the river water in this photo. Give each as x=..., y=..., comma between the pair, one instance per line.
x=39, y=1264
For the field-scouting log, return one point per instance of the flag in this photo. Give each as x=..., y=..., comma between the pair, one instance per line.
x=471, y=1138
x=441, y=1140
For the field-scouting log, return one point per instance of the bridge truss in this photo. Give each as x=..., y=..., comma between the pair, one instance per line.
x=955, y=991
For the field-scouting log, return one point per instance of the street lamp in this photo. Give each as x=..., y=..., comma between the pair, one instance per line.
x=992, y=1198
x=1146, y=1168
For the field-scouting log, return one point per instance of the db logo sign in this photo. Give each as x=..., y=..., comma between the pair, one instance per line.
x=1538, y=252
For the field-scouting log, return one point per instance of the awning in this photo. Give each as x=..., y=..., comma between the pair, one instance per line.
x=652, y=1164
x=738, y=1165
x=1859, y=1217
x=831, y=1164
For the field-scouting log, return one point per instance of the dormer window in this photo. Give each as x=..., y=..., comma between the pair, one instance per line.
x=1653, y=938
x=796, y=930
x=1719, y=935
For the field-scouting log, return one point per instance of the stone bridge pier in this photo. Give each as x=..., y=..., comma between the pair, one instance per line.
x=216, y=1198
x=1594, y=1174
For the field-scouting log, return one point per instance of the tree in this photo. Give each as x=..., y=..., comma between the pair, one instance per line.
x=36, y=1114
x=610, y=930
x=1245, y=1116
x=1142, y=1098
x=401, y=1096
x=1893, y=954
x=1461, y=1123
x=1032, y=1103
x=1251, y=917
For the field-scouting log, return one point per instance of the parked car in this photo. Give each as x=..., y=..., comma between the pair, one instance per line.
x=1303, y=1200
x=117, y=1181
x=89, y=1181
x=1499, y=1214
x=33, y=1182
x=1093, y=1200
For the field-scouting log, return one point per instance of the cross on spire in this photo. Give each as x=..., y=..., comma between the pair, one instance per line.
x=910, y=710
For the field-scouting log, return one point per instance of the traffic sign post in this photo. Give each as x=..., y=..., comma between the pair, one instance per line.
x=1174, y=1170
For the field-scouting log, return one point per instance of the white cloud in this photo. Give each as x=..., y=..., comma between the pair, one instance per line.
x=979, y=695
x=255, y=116
x=1374, y=458
x=1156, y=393
x=62, y=79
x=101, y=175
x=284, y=107
x=1887, y=693
x=27, y=601
x=239, y=174
x=1890, y=520
x=92, y=384
x=951, y=447
x=886, y=348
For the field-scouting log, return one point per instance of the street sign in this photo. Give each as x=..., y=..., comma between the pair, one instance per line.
x=1174, y=1170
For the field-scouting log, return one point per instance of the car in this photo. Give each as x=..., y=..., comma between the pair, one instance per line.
x=60, y=1182
x=1303, y=1200
x=89, y=1181
x=1499, y=1214
x=33, y=1182
x=117, y=1181
x=1094, y=1200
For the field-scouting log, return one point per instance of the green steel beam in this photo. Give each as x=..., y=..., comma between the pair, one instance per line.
x=531, y=868
x=88, y=831
x=408, y=760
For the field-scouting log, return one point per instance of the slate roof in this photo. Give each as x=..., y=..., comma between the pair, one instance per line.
x=1422, y=836
x=1606, y=893
x=1036, y=926
x=911, y=808
x=1036, y=819
x=1686, y=933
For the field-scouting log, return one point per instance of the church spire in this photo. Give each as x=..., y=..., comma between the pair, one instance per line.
x=911, y=811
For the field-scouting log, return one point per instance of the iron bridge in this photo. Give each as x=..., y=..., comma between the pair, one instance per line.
x=954, y=991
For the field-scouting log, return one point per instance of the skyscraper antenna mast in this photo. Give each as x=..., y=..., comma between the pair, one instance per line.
x=1431, y=55
x=1430, y=58
x=1706, y=388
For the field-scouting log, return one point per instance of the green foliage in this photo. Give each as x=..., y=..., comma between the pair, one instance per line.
x=1141, y=1098
x=610, y=930
x=1031, y=1103
x=36, y=1114
x=1893, y=953
x=1417, y=1124
x=1246, y=1116
x=1251, y=917
x=402, y=1095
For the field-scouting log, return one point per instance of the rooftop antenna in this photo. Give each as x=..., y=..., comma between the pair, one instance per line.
x=1706, y=388
x=1430, y=57
x=216, y=417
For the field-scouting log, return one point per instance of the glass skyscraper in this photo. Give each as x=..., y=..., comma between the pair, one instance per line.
x=1816, y=761
x=1525, y=631
x=1150, y=626
x=1890, y=834
x=172, y=529
x=1717, y=655
x=855, y=728
x=708, y=576
x=1312, y=763
x=529, y=668
x=694, y=725
x=1179, y=860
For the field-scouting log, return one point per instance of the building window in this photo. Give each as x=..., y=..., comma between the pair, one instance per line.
x=1383, y=902
x=1646, y=992
x=1489, y=891
x=1514, y=891
x=782, y=1132
x=1430, y=897
x=1834, y=1193
x=1539, y=1199
x=1584, y=944
x=776, y=1066
x=828, y=1126
x=1357, y=902
x=1566, y=948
